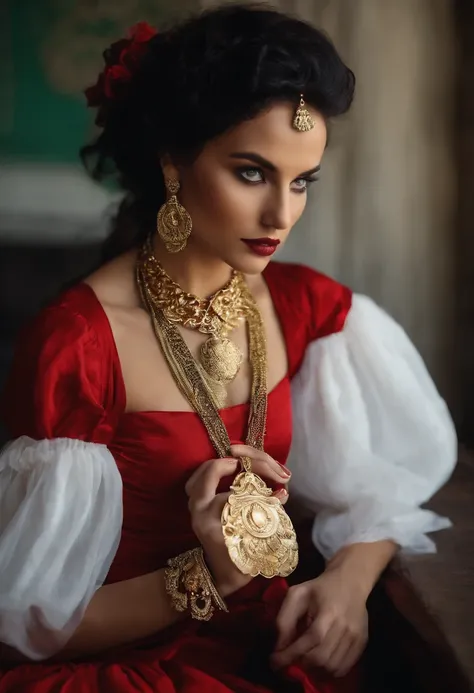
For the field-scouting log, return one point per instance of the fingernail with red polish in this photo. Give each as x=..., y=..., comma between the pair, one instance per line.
x=284, y=470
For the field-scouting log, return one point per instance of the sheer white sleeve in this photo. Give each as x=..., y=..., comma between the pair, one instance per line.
x=373, y=440
x=60, y=524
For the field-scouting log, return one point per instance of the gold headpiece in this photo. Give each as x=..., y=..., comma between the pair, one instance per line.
x=303, y=120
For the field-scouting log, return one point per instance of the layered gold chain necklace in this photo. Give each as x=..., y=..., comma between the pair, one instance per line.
x=257, y=531
x=216, y=316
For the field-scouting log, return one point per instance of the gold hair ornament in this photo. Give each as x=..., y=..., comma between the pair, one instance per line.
x=303, y=121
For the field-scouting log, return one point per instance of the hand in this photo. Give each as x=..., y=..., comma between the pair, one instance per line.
x=206, y=505
x=322, y=623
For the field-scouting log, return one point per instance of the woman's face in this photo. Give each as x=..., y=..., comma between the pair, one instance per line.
x=251, y=184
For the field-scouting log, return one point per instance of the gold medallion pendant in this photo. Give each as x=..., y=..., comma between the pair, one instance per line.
x=220, y=360
x=258, y=533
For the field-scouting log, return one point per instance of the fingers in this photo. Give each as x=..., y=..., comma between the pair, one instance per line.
x=322, y=653
x=291, y=611
x=350, y=650
x=282, y=495
x=295, y=651
x=202, y=486
x=218, y=502
x=339, y=657
x=339, y=662
x=314, y=636
x=345, y=658
x=262, y=463
x=338, y=652
x=195, y=476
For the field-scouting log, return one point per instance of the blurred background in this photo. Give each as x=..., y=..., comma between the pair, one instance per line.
x=391, y=216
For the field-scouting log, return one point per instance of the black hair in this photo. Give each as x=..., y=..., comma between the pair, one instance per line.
x=194, y=82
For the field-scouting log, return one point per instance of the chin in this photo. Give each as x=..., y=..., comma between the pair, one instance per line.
x=249, y=265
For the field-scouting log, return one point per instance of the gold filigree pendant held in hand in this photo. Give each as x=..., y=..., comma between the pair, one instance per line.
x=258, y=533
x=174, y=224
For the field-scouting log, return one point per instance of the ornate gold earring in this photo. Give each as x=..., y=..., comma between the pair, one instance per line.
x=174, y=224
x=302, y=120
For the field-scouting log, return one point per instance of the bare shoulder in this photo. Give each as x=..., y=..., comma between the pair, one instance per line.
x=115, y=287
x=114, y=282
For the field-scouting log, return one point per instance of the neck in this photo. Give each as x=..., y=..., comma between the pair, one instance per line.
x=196, y=271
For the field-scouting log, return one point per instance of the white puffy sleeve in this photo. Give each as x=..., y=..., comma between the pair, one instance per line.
x=373, y=440
x=60, y=488
x=60, y=524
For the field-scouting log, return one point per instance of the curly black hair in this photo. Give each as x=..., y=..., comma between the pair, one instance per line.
x=194, y=82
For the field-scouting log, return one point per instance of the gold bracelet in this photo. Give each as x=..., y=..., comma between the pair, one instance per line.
x=191, y=587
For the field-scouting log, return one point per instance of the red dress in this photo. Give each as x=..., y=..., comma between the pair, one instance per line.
x=66, y=381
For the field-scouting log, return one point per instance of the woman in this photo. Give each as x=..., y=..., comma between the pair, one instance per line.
x=128, y=562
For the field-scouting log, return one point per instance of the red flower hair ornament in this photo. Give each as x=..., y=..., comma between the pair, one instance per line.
x=121, y=60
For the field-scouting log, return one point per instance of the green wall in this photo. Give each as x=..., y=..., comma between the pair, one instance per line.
x=50, y=50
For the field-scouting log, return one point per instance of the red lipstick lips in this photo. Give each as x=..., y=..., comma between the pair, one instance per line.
x=262, y=246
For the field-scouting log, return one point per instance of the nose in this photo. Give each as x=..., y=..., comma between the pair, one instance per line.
x=277, y=213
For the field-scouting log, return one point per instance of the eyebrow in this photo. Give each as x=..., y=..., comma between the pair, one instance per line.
x=264, y=163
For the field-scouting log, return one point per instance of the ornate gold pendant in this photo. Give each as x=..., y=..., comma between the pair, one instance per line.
x=258, y=533
x=220, y=360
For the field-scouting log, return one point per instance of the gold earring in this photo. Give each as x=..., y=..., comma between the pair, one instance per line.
x=174, y=224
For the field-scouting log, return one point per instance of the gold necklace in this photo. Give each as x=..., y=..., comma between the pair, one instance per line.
x=258, y=533
x=219, y=359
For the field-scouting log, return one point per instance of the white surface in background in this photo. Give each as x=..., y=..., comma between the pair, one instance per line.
x=52, y=203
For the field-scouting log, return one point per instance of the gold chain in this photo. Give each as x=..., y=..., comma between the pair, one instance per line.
x=258, y=533
x=189, y=378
